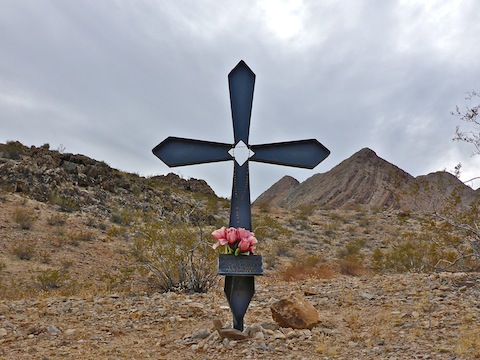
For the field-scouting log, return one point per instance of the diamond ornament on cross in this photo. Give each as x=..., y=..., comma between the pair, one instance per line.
x=175, y=151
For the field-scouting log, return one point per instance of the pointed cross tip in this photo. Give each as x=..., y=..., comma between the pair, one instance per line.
x=241, y=64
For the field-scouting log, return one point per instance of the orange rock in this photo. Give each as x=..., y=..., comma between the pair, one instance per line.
x=294, y=312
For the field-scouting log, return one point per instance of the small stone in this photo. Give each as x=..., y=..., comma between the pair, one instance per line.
x=195, y=305
x=293, y=334
x=217, y=324
x=200, y=334
x=367, y=296
x=233, y=334
x=270, y=326
x=53, y=330
x=259, y=336
x=3, y=332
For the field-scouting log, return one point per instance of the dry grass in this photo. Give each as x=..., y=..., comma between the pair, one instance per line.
x=308, y=267
x=469, y=343
x=352, y=266
x=327, y=346
x=24, y=217
x=24, y=250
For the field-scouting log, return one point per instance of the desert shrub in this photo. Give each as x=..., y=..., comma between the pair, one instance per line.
x=114, y=231
x=306, y=267
x=350, y=258
x=266, y=226
x=14, y=150
x=304, y=211
x=352, y=249
x=66, y=264
x=454, y=230
x=174, y=257
x=118, y=280
x=351, y=265
x=278, y=248
x=24, y=217
x=411, y=252
x=24, y=250
x=65, y=203
x=329, y=232
x=79, y=236
x=264, y=207
x=448, y=239
x=57, y=219
x=13, y=288
x=44, y=257
x=377, y=260
x=122, y=216
x=52, y=279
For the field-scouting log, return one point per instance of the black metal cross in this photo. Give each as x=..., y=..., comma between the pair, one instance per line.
x=175, y=151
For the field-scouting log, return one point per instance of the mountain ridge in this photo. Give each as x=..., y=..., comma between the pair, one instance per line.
x=365, y=179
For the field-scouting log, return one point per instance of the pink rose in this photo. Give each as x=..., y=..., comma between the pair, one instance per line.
x=244, y=245
x=242, y=233
x=220, y=234
x=220, y=242
x=253, y=240
x=231, y=235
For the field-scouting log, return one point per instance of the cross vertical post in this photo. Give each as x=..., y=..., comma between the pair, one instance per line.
x=174, y=151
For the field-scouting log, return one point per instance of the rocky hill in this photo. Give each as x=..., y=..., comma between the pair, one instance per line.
x=367, y=180
x=76, y=182
x=69, y=217
x=278, y=191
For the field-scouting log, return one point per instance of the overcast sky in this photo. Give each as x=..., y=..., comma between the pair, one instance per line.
x=111, y=79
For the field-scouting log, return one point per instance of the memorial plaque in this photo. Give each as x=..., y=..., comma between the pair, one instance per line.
x=240, y=265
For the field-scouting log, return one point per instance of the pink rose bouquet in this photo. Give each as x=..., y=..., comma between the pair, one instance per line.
x=236, y=241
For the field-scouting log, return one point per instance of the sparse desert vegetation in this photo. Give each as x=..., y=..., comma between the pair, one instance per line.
x=120, y=266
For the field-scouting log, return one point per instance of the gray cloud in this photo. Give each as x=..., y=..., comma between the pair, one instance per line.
x=112, y=79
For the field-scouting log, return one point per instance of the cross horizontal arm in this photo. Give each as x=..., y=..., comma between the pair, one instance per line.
x=175, y=151
x=302, y=153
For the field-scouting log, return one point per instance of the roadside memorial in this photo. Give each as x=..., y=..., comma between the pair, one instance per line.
x=240, y=269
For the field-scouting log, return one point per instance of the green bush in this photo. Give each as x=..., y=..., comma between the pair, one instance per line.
x=412, y=252
x=67, y=204
x=267, y=227
x=52, y=279
x=174, y=257
x=122, y=216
